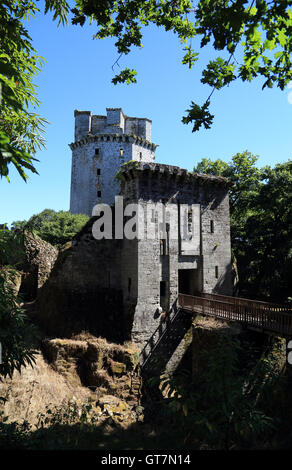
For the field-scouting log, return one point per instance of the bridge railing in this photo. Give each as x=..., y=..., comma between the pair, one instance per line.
x=255, y=314
x=258, y=304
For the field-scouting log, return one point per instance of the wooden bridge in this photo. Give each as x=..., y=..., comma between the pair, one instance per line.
x=264, y=316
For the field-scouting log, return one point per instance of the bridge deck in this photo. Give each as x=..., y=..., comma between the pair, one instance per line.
x=273, y=318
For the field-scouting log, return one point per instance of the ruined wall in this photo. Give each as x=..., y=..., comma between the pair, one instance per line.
x=84, y=289
x=129, y=282
x=34, y=258
x=94, y=362
x=75, y=373
x=101, y=283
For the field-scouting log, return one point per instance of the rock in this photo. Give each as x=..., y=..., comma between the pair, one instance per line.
x=139, y=410
x=65, y=356
x=91, y=362
x=118, y=368
x=14, y=278
x=95, y=353
x=34, y=258
x=64, y=379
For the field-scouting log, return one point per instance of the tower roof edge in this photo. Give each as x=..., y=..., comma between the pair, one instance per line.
x=77, y=112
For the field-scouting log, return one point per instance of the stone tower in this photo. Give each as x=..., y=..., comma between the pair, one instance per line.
x=102, y=144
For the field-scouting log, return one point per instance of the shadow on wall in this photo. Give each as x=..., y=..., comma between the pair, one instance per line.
x=79, y=295
x=217, y=198
x=225, y=282
x=162, y=346
x=62, y=312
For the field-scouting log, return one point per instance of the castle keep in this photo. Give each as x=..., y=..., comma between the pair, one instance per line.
x=102, y=144
x=115, y=286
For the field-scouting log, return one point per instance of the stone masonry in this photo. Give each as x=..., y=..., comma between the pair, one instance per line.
x=156, y=276
x=147, y=273
x=102, y=144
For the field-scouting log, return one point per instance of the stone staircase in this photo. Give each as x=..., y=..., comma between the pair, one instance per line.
x=165, y=348
x=136, y=386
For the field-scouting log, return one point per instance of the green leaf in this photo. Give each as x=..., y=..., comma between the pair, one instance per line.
x=199, y=115
x=282, y=38
x=126, y=76
x=190, y=57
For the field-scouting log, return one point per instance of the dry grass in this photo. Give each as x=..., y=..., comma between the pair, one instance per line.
x=209, y=323
x=83, y=336
x=28, y=393
x=103, y=344
x=58, y=381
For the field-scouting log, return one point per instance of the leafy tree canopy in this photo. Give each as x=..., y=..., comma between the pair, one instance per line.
x=21, y=130
x=253, y=39
x=56, y=228
x=261, y=223
x=242, y=172
x=16, y=332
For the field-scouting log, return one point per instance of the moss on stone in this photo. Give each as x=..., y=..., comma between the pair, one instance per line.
x=118, y=368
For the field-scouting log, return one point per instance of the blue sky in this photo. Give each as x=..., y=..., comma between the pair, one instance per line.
x=77, y=75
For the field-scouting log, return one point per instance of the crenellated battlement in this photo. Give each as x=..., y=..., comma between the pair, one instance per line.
x=115, y=122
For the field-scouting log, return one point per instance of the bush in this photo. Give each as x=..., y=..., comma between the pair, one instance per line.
x=16, y=332
x=56, y=228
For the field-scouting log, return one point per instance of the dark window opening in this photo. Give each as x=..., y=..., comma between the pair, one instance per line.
x=96, y=151
x=212, y=226
x=98, y=193
x=98, y=171
x=162, y=288
x=164, y=295
x=216, y=272
x=189, y=281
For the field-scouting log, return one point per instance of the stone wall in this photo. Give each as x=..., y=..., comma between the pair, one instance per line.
x=84, y=289
x=114, y=122
x=150, y=182
x=34, y=258
x=93, y=172
x=102, y=144
x=206, y=336
x=113, y=288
